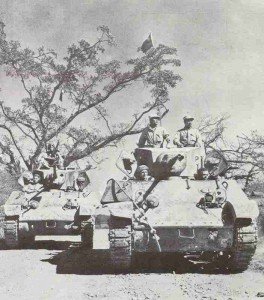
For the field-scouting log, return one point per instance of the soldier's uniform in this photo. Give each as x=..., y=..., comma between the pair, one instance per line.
x=188, y=138
x=152, y=137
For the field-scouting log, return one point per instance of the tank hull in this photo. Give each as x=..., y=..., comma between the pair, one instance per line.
x=53, y=213
x=176, y=221
x=189, y=239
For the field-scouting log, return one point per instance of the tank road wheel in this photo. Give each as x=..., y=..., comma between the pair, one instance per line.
x=245, y=243
x=87, y=234
x=11, y=233
x=120, y=247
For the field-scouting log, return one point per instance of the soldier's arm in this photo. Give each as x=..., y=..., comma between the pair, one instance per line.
x=142, y=139
x=166, y=136
x=176, y=140
x=199, y=140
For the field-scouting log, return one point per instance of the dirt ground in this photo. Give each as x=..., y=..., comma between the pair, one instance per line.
x=72, y=273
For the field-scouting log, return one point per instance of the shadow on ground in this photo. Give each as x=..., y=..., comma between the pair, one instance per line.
x=73, y=259
x=76, y=260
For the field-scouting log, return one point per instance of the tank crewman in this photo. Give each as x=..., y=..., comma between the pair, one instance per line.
x=153, y=135
x=142, y=173
x=82, y=182
x=36, y=185
x=188, y=136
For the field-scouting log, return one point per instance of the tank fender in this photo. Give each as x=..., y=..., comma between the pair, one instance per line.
x=85, y=211
x=12, y=210
x=103, y=214
x=89, y=204
x=236, y=211
x=243, y=207
x=101, y=217
x=122, y=210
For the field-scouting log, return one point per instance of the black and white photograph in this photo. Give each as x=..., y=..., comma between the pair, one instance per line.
x=131, y=149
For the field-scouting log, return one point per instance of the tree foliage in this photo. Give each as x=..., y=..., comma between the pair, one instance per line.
x=58, y=91
x=244, y=154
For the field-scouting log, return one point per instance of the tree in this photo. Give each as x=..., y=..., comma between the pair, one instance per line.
x=60, y=91
x=244, y=154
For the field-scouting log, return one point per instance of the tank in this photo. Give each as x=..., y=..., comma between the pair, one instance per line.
x=60, y=208
x=186, y=207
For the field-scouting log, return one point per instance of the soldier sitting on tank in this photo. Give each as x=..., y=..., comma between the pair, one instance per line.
x=32, y=190
x=36, y=185
x=142, y=173
x=188, y=136
x=153, y=135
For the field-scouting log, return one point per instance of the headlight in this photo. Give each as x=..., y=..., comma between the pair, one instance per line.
x=208, y=197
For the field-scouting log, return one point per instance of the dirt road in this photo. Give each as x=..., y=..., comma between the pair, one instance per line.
x=75, y=274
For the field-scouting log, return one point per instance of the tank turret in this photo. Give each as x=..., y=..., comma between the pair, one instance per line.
x=163, y=163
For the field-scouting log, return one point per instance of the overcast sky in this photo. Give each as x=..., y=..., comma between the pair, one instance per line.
x=220, y=44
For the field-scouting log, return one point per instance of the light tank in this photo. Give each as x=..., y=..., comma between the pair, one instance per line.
x=187, y=207
x=63, y=207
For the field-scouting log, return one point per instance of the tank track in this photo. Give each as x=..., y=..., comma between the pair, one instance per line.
x=2, y=228
x=120, y=247
x=11, y=233
x=245, y=243
x=87, y=234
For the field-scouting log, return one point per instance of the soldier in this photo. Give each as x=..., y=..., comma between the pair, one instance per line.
x=188, y=136
x=36, y=185
x=142, y=173
x=153, y=135
x=82, y=183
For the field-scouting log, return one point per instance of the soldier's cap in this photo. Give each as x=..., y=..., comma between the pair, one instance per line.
x=38, y=172
x=142, y=168
x=81, y=178
x=154, y=116
x=188, y=117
